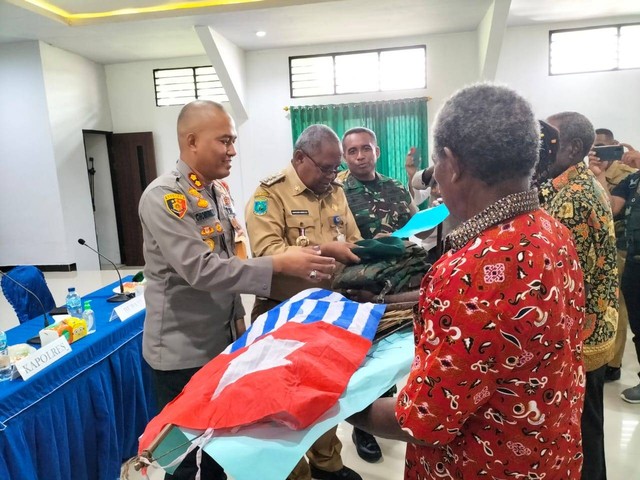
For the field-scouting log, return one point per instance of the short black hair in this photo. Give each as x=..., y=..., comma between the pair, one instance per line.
x=492, y=130
x=366, y=130
x=604, y=131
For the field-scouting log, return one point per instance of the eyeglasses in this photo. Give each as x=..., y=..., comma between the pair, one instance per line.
x=325, y=170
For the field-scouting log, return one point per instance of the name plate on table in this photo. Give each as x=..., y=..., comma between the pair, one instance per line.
x=43, y=357
x=128, y=309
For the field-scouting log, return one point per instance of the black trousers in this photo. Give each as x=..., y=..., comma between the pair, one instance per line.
x=594, y=466
x=168, y=385
x=630, y=286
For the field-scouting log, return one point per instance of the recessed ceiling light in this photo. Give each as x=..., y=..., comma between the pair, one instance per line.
x=261, y=33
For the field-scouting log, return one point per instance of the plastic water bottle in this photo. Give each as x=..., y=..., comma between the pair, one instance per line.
x=88, y=315
x=74, y=303
x=5, y=360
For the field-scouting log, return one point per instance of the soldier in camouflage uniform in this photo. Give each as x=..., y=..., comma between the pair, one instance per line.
x=379, y=204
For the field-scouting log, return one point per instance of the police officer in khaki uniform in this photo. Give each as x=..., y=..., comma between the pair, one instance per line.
x=304, y=205
x=193, y=306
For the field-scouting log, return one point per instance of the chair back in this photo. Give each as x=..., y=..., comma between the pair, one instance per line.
x=23, y=303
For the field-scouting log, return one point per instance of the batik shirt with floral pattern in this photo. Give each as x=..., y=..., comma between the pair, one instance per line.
x=577, y=199
x=497, y=383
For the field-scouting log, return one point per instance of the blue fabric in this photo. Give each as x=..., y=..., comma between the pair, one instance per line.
x=23, y=303
x=80, y=418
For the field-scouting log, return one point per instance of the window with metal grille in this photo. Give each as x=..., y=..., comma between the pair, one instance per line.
x=358, y=72
x=179, y=86
x=599, y=49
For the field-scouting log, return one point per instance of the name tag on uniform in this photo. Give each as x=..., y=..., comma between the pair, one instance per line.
x=299, y=212
x=202, y=216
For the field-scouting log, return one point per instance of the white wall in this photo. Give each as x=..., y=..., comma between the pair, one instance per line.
x=76, y=92
x=609, y=99
x=133, y=105
x=48, y=96
x=264, y=144
x=32, y=227
x=105, y=213
x=451, y=63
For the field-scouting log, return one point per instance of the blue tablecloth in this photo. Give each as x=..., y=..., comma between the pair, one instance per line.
x=81, y=417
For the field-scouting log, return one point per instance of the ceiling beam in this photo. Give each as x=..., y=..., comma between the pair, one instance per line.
x=490, y=37
x=227, y=60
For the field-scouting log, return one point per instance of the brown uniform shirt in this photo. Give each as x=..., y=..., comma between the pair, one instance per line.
x=283, y=211
x=617, y=172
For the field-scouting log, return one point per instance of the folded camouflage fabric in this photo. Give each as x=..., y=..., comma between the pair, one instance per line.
x=404, y=273
x=380, y=248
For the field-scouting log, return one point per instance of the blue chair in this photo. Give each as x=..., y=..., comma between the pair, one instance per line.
x=23, y=303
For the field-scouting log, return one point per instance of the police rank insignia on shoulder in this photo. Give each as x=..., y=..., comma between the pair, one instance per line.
x=270, y=180
x=176, y=203
x=260, y=204
x=210, y=242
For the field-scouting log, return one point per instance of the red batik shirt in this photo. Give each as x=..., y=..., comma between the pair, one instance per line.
x=497, y=383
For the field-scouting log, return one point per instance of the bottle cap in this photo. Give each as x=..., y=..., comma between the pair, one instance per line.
x=87, y=304
x=72, y=289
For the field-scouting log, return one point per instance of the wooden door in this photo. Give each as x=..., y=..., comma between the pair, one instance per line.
x=133, y=167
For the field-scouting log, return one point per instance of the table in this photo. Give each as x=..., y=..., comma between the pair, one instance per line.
x=81, y=417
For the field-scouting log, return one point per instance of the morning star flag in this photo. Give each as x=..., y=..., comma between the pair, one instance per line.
x=289, y=367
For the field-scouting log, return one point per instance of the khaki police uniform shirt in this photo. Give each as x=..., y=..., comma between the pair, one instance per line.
x=283, y=210
x=617, y=172
x=193, y=279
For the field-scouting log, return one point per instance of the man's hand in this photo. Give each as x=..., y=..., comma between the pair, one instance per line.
x=307, y=263
x=631, y=157
x=597, y=166
x=341, y=251
x=410, y=163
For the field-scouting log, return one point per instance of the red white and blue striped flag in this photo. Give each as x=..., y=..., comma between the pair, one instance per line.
x=290, y=367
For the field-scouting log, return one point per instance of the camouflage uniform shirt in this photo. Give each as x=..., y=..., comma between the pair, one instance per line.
x=382, y=205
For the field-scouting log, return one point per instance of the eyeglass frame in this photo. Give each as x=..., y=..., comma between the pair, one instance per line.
x=323, y=170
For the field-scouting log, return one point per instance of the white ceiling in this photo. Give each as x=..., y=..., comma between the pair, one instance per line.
x=287, y=23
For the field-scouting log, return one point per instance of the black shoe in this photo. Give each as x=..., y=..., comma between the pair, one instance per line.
x=366, y=445
x=611, y=374
x=345, y=473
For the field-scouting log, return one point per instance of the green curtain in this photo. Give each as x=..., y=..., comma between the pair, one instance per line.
x=398, y=124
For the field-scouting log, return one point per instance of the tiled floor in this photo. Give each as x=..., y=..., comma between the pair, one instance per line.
x=622, y=420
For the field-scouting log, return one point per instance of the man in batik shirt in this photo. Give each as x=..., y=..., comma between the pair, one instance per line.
x=497, y=383
x=576, y=198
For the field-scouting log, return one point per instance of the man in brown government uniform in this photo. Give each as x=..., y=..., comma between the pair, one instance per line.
x=194, y=279
x=304, y=205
